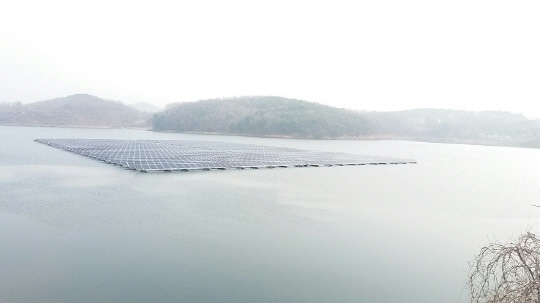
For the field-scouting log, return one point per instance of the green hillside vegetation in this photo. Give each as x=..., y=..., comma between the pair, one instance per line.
x=79, y=110
x=281, y=117
x=262, y=116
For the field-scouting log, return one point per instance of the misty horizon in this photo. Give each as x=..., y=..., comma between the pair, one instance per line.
x=358, y=55
x=162, y=107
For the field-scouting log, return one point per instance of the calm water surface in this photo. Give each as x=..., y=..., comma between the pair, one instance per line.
x=73, y=229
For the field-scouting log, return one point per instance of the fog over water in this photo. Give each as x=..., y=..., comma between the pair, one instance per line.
x=73, y=229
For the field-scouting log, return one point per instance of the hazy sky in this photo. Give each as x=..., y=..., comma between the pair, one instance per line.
x=373, y=55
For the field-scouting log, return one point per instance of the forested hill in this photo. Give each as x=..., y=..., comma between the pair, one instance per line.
x=457, y=126
x=451, y=123
x=277, y=116
x=79, y=110
x=262, y=116
x=282, y=117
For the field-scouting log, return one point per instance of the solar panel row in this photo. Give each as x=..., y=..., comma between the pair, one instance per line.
x=184, y=155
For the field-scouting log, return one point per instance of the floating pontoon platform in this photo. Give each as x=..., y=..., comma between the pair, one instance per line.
x=186, y=155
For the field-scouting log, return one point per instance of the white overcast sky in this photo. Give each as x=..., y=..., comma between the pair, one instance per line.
x=372, y=55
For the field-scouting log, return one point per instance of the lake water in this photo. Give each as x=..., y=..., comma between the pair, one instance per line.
x=73, y=229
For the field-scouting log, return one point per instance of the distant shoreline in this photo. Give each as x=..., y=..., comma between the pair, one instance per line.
x=481, y=142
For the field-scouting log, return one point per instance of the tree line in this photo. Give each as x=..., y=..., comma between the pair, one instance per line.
x=261, y=116
x=277, y=116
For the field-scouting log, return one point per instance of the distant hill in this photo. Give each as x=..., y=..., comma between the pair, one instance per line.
x=146, y=107
x=451, y=123
x=261, y=116
x=456, y=126
x=79, y=110
x=268, y=116
x=282, y=117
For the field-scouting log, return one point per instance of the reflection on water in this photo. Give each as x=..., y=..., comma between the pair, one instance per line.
x=76, y=230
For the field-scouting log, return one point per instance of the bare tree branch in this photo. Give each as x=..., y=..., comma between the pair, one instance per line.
x=508, y=273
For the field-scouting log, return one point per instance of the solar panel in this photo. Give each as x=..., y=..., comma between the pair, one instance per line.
x=185, y=155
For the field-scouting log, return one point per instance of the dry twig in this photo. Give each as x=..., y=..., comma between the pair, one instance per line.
x=507, y=273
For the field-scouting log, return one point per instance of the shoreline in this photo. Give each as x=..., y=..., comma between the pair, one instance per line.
x=510, y=142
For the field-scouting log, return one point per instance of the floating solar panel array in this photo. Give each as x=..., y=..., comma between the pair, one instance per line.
x=177, y=155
